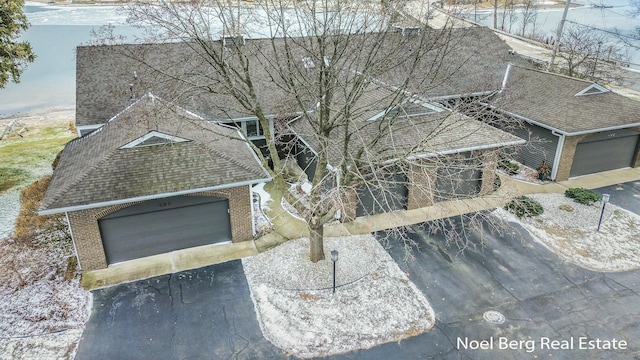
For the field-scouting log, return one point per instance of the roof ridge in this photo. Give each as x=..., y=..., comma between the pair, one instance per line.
x=65, y=188
x=230, y=158
x=545, y=72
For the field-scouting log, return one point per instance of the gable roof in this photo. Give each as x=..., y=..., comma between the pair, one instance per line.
x=453, y=62
x=98, y=170
x=567, y=105
x=392, y=136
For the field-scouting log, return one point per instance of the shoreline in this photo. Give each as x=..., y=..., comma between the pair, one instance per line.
x=44, y=117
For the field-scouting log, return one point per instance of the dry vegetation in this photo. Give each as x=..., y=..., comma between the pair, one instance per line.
x=42, y=307
x=40, y=296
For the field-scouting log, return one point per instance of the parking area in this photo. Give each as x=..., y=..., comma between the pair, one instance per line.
x=549, y=307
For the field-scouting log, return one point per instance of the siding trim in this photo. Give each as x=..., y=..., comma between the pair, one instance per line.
x=151, y=197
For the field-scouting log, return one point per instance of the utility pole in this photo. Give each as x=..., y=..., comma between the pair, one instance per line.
x=556, y=43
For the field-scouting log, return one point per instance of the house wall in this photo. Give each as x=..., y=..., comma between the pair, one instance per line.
x=569, y=152
x=422, y=183
x=86, y=233
x=489, y=166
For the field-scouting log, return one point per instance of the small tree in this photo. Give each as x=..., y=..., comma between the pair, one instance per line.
x=14, y=54
x=529, y=15
x=582, y=48
x=330, y=63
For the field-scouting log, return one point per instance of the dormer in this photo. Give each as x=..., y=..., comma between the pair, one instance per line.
x=593, y=89
x=153, y=138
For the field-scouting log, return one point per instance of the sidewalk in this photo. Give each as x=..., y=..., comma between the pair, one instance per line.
x=289, y=227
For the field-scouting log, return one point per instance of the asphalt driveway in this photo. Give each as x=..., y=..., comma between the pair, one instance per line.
x=200, y=314
x=208, y=314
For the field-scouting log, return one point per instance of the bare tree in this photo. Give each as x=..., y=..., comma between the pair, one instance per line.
x=340, y=76
x=582, y=48
x=529, y=15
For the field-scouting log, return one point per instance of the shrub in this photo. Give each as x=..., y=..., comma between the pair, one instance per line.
x=31, y=227
x=524, y=207
x=510, y=167
x=583, y=196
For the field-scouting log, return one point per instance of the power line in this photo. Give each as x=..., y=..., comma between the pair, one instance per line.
x=617, y=34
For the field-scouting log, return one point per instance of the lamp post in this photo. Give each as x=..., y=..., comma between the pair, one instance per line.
x=334, y=258
x=605, y=200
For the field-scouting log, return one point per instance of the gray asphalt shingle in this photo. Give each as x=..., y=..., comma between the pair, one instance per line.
x=551, y=99
x=95, y=169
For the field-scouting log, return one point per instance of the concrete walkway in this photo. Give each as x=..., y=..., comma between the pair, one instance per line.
x=289, y=227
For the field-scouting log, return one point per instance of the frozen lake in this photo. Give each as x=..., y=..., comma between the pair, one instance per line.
x=614, y=18
x=54, y=34
x=56, y=31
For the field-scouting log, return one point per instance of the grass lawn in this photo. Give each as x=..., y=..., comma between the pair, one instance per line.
x=20, y=156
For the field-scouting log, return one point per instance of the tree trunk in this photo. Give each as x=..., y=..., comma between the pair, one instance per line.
x=316, y=243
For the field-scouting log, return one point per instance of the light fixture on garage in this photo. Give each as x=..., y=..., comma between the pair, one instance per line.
x=605, y=200
x=334, y=258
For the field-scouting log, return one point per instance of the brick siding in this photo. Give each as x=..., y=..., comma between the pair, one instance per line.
x=489, y=166
x=422, y=183
x=86, y=234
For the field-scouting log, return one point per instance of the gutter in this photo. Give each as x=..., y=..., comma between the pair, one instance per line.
x=558, y=155
x=73, y=240
x=458, y=150
x=558, y=131
x=151, y=197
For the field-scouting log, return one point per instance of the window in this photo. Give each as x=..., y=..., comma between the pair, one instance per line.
x=252, y=128
x=248, y=126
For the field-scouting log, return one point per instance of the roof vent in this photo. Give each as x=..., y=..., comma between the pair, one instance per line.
x=233, y=40
x=407, y=29
x=307, y=62
x=593, y=89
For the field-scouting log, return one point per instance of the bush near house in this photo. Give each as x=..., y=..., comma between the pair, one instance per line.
x=510, y=167
x=524, y=207
x=32, y=228
x=583, y=196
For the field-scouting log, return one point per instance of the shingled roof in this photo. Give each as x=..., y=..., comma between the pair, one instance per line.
x=150, y=150
x=565, y=104
x=449, y=62
x=430, y=131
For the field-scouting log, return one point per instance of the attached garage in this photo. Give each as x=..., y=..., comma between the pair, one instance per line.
x=584, y=127
x=388, y=194
x=164, y=225
x=461, y=178
x=605, y=151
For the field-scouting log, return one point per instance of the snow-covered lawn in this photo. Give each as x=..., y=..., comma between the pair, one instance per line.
x=374, y=303
x=42, y=315
x=569, y=229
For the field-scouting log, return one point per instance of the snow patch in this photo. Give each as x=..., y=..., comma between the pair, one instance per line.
x=374, y=303
x=573, y=235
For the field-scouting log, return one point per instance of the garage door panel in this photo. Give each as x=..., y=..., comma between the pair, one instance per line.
x=602, y=155
x=139, y=235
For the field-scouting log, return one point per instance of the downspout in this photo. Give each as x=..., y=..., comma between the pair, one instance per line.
x=253, y=215
x=73, y=241
x=556, y=159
